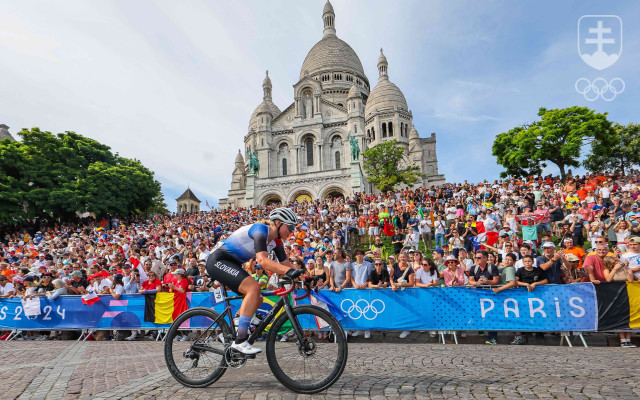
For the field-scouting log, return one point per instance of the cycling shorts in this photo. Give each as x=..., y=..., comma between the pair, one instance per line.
x=226, y=270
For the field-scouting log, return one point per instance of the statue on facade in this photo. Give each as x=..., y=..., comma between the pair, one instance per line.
x=254, y=165
x=355, y=149
x=307, y=111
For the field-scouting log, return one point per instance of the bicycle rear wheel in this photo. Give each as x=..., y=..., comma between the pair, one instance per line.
x=310, y=365
x=195, y=347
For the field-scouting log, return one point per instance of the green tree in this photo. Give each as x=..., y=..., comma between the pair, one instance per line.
x=387, y=167
x=623, y=153
x=558, y=137
x=57, y=176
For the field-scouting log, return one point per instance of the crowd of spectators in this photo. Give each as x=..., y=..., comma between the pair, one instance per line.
x=503, y=234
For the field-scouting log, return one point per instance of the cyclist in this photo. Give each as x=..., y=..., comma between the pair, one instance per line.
x=256, y=240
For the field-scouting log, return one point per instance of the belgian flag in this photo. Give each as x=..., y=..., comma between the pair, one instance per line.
x=618, y=305
x=163, y=308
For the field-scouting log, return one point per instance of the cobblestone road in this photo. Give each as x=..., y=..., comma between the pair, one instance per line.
x=113, y=370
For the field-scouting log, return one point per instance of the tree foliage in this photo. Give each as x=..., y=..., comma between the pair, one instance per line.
x=624, y=151
x=386, y=166
x=58, y=176
x=558, y=138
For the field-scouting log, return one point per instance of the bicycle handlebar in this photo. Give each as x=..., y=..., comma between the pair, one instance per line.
x=283, y=292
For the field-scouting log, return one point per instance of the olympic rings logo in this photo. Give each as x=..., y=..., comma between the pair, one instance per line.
x=362, y=308
x=600, y=88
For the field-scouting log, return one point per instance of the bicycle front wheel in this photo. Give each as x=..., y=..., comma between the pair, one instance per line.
x=195, y=347
x=310, y=364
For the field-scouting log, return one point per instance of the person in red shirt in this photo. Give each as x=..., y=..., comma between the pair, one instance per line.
x=168, y=278
x=153, y=283
x=179, y=287
x=594, y=265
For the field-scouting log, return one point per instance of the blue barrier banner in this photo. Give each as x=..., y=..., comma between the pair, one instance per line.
x=68, y=312
x=548, y=308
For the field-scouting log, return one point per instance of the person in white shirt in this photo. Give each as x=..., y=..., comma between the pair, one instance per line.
x=204, y=252
x=525, y=250
x=632, y=257
x=6, y=287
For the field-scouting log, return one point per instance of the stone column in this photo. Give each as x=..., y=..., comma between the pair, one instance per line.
x=250, y=190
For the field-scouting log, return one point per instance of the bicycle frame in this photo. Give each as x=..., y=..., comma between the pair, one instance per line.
x=268, y=319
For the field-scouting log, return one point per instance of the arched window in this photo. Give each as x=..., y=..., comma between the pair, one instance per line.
x=401, y=129
x=390, y=129
x=406, y=130
x=384, y=129
x=373, y=133
x=309, y=145
x=284, y=167
x=337, y=160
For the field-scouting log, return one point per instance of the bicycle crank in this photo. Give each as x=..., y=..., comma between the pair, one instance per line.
x=235, y=359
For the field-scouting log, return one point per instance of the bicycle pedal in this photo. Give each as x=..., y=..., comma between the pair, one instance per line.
x=251, y=356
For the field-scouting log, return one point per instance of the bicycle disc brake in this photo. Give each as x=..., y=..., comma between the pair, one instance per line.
x=307, y=348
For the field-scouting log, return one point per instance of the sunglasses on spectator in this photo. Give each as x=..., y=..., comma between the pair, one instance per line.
x=478, y=258
x=378, y=264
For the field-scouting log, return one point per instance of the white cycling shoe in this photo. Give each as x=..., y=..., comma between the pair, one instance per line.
x=246, y=348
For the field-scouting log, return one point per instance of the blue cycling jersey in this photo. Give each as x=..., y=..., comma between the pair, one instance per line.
x=250, y=240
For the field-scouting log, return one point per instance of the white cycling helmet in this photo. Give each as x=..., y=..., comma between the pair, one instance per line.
x=285, y=215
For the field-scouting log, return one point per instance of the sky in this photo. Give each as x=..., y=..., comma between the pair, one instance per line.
x=174, y=83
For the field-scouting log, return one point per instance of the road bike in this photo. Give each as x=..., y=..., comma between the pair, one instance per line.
x=301, y=361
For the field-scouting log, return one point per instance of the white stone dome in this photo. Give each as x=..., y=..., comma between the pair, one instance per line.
x=385, y=96
x=331, y=54
x=266, y=106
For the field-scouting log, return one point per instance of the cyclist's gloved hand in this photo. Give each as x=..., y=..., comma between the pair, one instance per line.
x=294, y=273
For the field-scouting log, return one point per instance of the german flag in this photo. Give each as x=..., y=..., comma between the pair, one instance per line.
x=618, y=305
x=163, y=308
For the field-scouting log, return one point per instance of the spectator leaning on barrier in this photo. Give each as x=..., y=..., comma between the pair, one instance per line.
x=153, y=283
x=594, y=265
x=507, y=274
x=340, y=271
x=402, y=276
x=379, y=275
x=454, y=274
x=427, y=274
x=483, y=273
x=77, y=283
x=360, y=270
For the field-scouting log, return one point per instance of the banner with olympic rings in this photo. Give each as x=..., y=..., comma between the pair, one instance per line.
x=547, y=308
x=572, y=307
